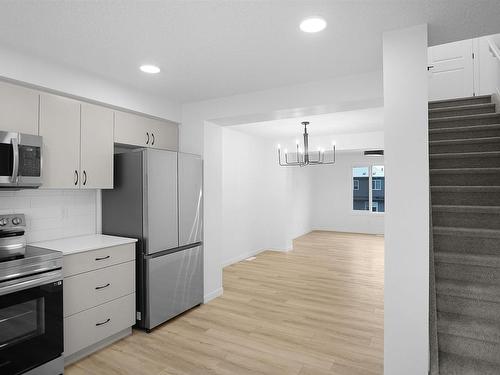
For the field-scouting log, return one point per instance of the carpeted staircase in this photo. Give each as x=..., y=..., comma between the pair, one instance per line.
x=464, y=146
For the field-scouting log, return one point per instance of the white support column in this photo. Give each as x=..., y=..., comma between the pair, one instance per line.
x=407, y=196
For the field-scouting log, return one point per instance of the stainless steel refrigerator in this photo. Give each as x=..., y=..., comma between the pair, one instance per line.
x=157, y=198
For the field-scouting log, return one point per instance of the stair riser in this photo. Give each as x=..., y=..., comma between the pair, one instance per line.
x=462, y=112
x=466, y=347
x=469, y=306
x=469, y=162
x=466, y=220
x=457, y=103
x=464, y=134
x=467, y=273
x=465, y=179
x=469, y=245
x=474, y=328
x=466, y=198
x=439, y=124
x=464, y=147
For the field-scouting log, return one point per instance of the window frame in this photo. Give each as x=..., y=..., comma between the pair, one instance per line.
x=370, y=166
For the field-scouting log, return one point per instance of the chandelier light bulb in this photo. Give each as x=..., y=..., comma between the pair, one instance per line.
x=286, y=151
x=334, y=143
x=296, y=141
x=279, y=146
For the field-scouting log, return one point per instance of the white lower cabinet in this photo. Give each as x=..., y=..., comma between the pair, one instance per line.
x=94, y=325
x=99, y=298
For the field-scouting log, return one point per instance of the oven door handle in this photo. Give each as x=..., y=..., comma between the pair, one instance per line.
x=15, y=162
x=30, y=282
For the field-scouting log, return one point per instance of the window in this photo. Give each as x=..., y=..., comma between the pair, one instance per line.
x=368, y=188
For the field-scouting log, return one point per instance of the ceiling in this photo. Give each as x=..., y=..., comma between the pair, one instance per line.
x=217, y=48
x=349, y=122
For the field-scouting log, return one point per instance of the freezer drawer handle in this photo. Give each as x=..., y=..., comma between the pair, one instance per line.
x=102, y=286
x=102, y=323
x=103, y=258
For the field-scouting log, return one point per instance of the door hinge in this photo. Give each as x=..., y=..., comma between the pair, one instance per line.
x=473, y=55
x=138, y=315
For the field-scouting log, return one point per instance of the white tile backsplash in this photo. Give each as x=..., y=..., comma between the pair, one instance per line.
x=52, y=214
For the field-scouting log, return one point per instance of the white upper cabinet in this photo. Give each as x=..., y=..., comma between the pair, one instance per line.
x=96, y=163
x=131, y=129
x=18, y=109
x=60, y=129
x=141, y=131
x=164, y=135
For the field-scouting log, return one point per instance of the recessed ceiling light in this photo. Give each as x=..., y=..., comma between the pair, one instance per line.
x=313, y=25
x=151, y=69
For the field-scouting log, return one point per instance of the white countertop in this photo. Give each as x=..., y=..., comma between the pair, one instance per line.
x=74, y=245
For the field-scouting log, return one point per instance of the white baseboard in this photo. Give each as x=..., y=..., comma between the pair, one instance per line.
x=281, y=250
x=213, y=295
x=241, y=257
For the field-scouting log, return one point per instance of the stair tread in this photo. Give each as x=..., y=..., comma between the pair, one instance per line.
x=469, y=189
x=464, y=155
x=460, y=99
x=464, y=117
x=468, y=326
x=485, y=260
x=464, y=170
x=460, y=107
x=469, y=232
x=468, y=289
x=464, y=128
x=465, y=208
x=464, y=140
x=452, y=364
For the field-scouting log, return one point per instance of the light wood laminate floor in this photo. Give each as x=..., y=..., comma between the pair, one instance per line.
x=312, y=311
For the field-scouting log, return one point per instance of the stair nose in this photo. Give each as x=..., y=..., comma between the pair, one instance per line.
x=483, y=99
x=450, y=364
x=463, y=110
x=467, y=326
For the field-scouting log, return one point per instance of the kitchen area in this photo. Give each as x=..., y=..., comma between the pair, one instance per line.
x=100, y=227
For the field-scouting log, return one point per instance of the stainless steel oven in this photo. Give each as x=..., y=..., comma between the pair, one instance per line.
x=20, y=160
x=31, y=304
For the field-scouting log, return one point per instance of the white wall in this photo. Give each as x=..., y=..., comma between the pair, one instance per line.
x=198, y=135
x=488, y=71
x=52, y=214
x=332, y=196
x=406, y=313
x=265, y=206
x=35, y=71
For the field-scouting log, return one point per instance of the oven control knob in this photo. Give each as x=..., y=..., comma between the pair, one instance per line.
x=16, y=221
x=3, y=222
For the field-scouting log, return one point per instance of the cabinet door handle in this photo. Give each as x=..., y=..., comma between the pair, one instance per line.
x=102, y=286
x=84, y=177
x=153, y=142
x=100, y=324
x=76, y=177
x=103, y=258
x=147, y=139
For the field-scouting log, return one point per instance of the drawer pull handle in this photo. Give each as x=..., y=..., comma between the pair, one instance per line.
x=103, y=258
x=100, y=324
x=102, y=287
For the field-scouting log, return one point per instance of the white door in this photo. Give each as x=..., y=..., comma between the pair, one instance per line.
x=60, y=128
x=96, y=166
x=451, y=71
x=18, y=109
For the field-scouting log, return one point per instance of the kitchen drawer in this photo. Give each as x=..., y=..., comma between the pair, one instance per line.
x=91, y=326
x=96, y=259
x=93, y=288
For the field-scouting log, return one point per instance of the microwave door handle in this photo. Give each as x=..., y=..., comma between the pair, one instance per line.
x=15, y=164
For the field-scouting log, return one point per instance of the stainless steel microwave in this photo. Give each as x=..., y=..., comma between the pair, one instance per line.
x=20, y=160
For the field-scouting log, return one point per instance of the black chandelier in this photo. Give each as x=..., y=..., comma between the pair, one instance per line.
x=302, y=157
